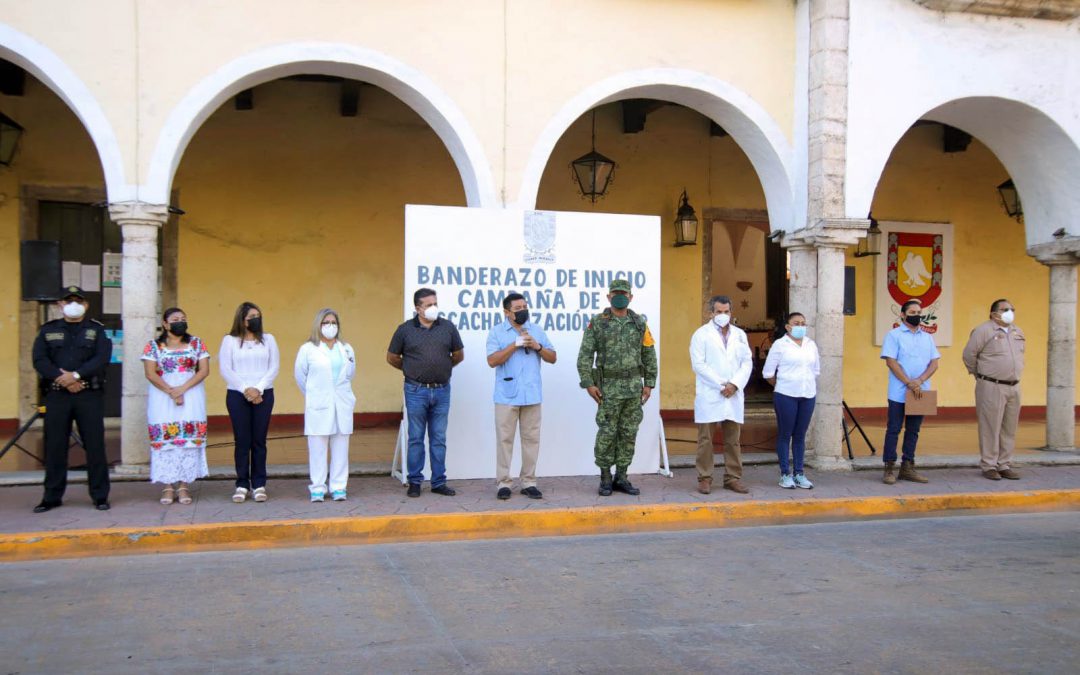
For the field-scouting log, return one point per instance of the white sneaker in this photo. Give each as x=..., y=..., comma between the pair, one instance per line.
x=802, y=482
x=786, y=482
x=240, y=495
x=318, y=496
x=259, y=494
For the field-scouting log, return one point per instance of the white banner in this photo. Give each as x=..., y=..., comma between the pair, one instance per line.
x=916, y=264
x=562, y=263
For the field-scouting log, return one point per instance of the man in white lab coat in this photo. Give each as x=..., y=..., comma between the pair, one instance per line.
x=721, y=359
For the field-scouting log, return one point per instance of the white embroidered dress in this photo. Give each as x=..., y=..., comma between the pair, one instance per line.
x=177, y=432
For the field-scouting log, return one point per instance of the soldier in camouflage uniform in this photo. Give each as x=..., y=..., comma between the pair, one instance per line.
x=625, y=354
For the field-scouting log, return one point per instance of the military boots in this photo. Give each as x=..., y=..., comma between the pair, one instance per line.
x=622, y=484
x=890, y=475
x=605, y=483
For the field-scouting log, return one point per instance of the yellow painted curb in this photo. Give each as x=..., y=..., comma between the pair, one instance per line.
x=497, y=524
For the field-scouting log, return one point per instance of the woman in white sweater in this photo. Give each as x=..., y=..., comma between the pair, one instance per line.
x=792, y=368
x=249, y=362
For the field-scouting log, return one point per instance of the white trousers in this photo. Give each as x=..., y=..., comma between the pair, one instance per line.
x=339, y=461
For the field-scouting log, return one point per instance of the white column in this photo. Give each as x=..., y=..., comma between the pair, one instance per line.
x=1061, y=357
x=802, y=281
x=139, y=226
x=831, y=237
x=1061, y=256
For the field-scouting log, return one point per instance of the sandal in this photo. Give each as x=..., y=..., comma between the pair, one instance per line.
x=167, y=496
x=260, y=494
x=184, y=496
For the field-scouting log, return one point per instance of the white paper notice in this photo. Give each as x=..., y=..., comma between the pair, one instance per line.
x=111, y=269
x=70, y=273
x=91, y=278
x=110, y=300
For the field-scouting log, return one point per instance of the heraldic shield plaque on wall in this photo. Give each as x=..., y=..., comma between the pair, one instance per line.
x=539, y=237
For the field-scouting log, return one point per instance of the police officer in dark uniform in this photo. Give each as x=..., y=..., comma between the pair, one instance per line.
x=70, y=354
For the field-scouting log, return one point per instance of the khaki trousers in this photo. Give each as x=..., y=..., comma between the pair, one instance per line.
x=998, y=409
x=732, y=450
x=508, y=419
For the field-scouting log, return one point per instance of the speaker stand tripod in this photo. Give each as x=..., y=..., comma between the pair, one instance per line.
x=854, y=425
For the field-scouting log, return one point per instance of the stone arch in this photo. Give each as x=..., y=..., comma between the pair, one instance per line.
x=751, y=127
x=1040, y=156
x=46, y=66
x=408, y=84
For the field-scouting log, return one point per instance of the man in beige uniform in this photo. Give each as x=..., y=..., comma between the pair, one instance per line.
x=994, y=354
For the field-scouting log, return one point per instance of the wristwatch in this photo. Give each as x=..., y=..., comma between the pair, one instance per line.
x=76, y=375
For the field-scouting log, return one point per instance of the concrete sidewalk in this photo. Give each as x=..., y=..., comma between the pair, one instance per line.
x=379, y=510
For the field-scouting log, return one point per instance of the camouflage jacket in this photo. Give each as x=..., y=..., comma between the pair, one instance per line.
x=624, y=352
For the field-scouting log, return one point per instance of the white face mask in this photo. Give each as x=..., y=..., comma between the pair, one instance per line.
x=329, y=330
x=431, y=313
x=1008, y=316
x=722, y=320
x=74, y=310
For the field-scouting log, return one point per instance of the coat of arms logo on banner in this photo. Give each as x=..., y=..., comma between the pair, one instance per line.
x=917, y=265
x=539, y=237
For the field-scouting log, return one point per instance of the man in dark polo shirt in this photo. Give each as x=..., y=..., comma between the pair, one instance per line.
x=426, y=348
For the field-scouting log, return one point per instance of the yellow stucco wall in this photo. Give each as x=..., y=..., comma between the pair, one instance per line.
x=508, y=65
x=922, y=183
x=674, y=152
x=295, y=208
x=54, y=151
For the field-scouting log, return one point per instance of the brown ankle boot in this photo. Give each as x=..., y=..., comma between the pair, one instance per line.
x=908, y=472
x=890, y=477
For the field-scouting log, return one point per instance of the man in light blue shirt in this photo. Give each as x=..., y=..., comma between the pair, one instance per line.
x=515, y=349
x=912, y=358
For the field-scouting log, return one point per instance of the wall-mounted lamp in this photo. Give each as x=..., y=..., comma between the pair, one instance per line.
x=685, y=223
x=871, y=243
x=1010, y=199
x=592, y=171
x=744, y=286
x=10, y=132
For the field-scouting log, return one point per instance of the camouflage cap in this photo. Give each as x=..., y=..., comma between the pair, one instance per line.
x=72, y=291
x=619, y=285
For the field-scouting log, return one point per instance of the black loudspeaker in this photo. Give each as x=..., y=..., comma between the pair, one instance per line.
x=849, y=290
x=40, y=263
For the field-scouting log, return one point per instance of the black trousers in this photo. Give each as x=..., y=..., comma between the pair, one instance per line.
x=250, y=424
x=87, y=409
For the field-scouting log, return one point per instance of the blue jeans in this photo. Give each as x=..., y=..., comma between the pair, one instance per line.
x=429, y=410
x=792, y=419
x=911, y=425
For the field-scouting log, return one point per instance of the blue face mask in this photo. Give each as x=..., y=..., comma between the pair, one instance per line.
x=798, y=332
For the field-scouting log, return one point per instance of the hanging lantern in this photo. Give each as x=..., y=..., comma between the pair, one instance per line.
x=593, y=171
x=1010, y=199
x=10, y=132
x=686, y=223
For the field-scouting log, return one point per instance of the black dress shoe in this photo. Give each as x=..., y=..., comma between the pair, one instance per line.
x=414, y=490
x=46, y=505
x=532, y=493
x=621, y=484
x=503, y=493
x=444, y=490
x=102, y=504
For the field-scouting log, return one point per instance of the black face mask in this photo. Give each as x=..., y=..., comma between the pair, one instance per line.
x=178, y=328
x=521, y=316
x=255, y=324
x=913, y=320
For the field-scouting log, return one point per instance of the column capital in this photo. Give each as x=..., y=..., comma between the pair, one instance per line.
x=1064, y=251
x=138, y=213
x=794, y=242
x=834, y=232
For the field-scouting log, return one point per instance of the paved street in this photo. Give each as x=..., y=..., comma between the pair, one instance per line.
x=958, y=595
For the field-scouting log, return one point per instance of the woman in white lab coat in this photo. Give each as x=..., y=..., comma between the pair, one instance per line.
x=325, y=366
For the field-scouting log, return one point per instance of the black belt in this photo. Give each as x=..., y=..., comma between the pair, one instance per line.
x=1007, y=383
x=426, y=385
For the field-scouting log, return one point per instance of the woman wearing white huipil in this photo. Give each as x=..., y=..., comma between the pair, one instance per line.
x=249, y=362
x=325, y=366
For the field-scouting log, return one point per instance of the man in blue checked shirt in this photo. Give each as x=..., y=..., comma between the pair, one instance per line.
x=515, y=349
x=912, y=358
